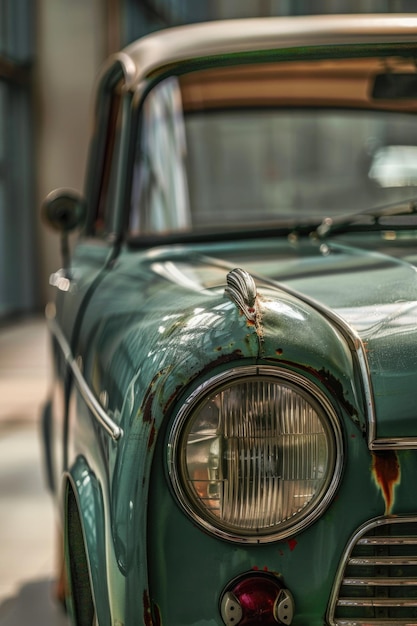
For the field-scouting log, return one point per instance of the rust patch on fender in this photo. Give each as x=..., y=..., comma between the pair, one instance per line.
x=147, y=614
x=147, y=407
x=152, y=435
x=387, y=474
x=148, y=619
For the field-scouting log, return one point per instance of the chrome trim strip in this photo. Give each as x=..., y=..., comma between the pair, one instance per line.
x=356, y=538
x=379, y=582
x=357, y=348
x=379, y=602
x=383, y=561
x=358, y=351
x=185, y=43
x=388, y=541
x=91, y=401
x=127, y=64
x=394, y=443
x=376, y=621
x=350, y=335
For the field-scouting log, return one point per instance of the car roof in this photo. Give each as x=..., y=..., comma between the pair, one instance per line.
x=155, y=52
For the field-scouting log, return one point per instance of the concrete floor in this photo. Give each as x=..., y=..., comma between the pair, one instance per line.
x=27, y=520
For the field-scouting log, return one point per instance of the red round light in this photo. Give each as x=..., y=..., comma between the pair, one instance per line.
x=252, y=599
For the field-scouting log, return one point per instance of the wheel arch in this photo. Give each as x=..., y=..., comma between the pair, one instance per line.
x=85, y=546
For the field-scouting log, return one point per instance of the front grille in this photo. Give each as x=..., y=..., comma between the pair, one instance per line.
x=377, y=581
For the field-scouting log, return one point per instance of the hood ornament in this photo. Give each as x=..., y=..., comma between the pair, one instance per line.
x=241, y=289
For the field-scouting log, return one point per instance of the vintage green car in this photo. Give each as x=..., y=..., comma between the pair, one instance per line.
x=231, y=434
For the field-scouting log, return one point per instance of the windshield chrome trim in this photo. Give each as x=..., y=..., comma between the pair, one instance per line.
x=99, y=414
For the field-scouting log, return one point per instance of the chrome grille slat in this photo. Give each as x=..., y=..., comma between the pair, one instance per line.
x=380, y=582
x=375, y=622
x=376, y=584
x=382, y=561
x=387, y=541
x=378, y=602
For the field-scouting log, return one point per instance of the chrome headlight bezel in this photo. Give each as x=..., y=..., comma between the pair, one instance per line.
x=306, y=389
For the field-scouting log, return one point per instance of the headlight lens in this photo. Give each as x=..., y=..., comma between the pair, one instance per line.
x=256, y=454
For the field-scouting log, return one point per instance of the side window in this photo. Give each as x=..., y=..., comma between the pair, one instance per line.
x=109, y=164
x=160, y=202
x=104, y=161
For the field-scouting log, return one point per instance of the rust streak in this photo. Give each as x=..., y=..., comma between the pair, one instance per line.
x=147, y=615
x=147, y=407
x=152, y=434
x=157, y=616
x=387, y=474
x=148, y=618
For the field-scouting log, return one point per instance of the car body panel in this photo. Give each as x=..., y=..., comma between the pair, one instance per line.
x=137, y=335
x=142, y=325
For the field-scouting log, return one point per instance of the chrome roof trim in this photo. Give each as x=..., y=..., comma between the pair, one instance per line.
x=126, y=64
x=100, y=415
x=184, y=43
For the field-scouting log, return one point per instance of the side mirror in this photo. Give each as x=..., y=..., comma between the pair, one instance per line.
x=64, y=210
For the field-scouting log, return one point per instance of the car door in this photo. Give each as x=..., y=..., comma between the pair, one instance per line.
x=90, y=260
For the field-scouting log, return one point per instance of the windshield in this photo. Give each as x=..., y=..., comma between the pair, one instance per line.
x=232, y=151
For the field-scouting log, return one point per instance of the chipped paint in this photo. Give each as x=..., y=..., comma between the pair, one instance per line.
x=292, y=544
x=387, y=474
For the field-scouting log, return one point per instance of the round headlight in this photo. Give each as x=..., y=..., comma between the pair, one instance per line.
x=255, y=454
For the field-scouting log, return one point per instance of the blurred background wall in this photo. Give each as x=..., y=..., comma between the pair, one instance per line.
x=50, y=54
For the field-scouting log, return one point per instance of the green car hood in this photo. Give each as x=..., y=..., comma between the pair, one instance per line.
x=168, y=306
x=375, y=293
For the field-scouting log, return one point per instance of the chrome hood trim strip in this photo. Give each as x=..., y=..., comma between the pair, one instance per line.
x=350, y=335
